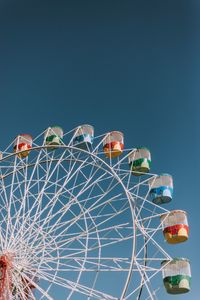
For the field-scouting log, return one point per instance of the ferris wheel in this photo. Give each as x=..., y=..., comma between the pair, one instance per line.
x=82, y=217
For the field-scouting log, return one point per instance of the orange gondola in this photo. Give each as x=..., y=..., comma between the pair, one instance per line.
x=22, y=145
x=113, y=144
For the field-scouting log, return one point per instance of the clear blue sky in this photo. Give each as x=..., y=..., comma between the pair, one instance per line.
x=132, y=66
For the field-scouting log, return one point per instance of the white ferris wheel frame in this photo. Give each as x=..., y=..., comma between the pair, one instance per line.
x=21, y=182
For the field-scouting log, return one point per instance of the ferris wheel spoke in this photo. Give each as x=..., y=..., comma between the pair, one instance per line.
x=51, y=200
x=70, y=285
x=95, y=246
x=73, y=217
x=142, y=182
x=71, y=222
x=22, y=287
x=62, y=244
x=8, y=215
x=151, y=204
x=144, y=282
x=64, y=223
x=90, y=230
x=81, y=251
x=38, y=202
x=21, y=211
x=92, y=207
x=47, y=233
x=93, y=264
x=72, y=196
x=49, y=171
x=152, y=240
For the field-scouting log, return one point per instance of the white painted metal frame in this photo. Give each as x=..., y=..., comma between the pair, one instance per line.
x=77, y=223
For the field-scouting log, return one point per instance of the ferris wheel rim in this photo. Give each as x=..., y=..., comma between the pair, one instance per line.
x=109, y=169
x=94, y=155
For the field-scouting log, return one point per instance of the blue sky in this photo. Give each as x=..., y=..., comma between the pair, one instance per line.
x=132, y=66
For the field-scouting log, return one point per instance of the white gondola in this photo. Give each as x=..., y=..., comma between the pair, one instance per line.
x=53, y=137
x=140, y=161
x=84, y=136
x=161, y=188
x=177, y=275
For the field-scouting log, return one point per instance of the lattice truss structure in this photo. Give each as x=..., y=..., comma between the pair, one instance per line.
x=75, y=224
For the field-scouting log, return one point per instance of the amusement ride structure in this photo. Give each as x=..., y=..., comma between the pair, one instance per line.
x=82, y=217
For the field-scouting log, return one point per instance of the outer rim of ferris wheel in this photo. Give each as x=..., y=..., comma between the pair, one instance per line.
x=113, y=173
